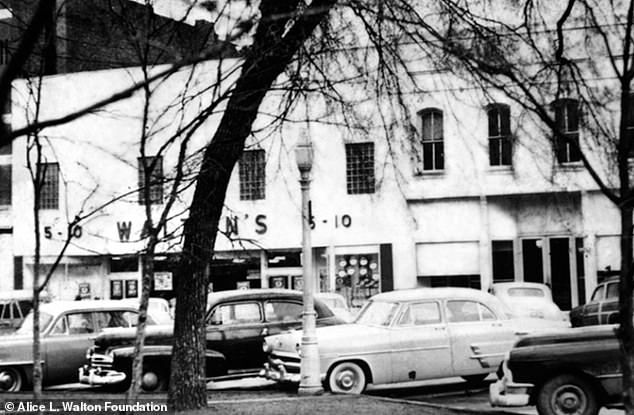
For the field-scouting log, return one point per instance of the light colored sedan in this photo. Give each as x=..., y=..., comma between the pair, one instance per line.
x=528, y=299
x=408, y=335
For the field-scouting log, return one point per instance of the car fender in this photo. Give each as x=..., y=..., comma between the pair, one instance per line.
x=26, y=366
x=361, y=360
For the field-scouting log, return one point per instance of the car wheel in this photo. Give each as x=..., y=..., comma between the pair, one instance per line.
x=11, y=379
x=567, y=394
x=347, y=377
x=154, y=380
x=475, y=379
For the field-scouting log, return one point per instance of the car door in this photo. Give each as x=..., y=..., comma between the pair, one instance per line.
x=235, y=330
x=609, y=307
x=65, y=346
x=591, y=311
x=420, y=343
x=479, y=338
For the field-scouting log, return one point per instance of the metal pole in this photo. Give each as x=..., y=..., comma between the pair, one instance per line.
x=310, y=378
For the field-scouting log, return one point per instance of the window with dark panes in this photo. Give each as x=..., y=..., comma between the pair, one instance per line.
x=5, y=150
x=503, y=267
x=5, y=184
x=360, y=168
x=432, y=139
x=500, y=149
x=49, y=193
x=567, y=123
x=154, y=167
x=252, y=175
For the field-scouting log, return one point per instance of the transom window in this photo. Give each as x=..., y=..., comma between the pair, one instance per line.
x=500, y=149
x=432, y=139
x=567, y=123
x=252, y=175
x=154, y=167
x=49, y=192
x=360, y=168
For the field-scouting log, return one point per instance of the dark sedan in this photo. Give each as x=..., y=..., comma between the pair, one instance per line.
x=237, y=322
x=603, y=307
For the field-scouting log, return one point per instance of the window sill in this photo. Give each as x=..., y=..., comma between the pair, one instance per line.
x=500, y=169
x=571, y=166
x=429, y=173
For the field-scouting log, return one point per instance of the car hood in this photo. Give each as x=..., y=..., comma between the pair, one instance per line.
x=570, y=335
x=332, y=338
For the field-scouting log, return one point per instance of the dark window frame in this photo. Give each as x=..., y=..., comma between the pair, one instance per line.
x=6, y=174
x=567, y=119
x=360, y=177
x=501, y=252
x=49, y=191
x=432, y=139
x=499, y=128
x=252, y=175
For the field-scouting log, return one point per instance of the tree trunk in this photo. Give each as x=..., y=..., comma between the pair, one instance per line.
x=273, y=49
x=147, y=269
x=625, y=310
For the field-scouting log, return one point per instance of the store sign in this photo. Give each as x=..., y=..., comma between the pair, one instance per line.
x=163, y=281
x=116, y=289
x=84, y=290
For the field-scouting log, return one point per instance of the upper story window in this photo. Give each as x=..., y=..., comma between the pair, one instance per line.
x=567, y=123
x=360, y=168
x=500, y=149
x=49, y=192
x=153, y=166
x=629, y=127
x=433, y=139
x=5, y=184
x=252, y=175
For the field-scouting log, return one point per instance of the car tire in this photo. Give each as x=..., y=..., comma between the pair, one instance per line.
x=347, y=377
x=567, y=394
x=11, y=379
x=475, y=379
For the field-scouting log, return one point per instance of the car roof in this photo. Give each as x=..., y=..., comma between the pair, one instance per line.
x=329, y=295
x=252, y=293
x=58, y=307
x=432, y=293
x=520, y=284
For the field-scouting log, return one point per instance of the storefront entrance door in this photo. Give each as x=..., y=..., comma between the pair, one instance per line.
x=560, y=272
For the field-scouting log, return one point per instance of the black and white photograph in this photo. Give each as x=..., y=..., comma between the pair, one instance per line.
x=317, y=207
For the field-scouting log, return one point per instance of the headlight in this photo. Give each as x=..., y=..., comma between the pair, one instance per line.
x=90, y=352
x=267, y=348
x=298, y=349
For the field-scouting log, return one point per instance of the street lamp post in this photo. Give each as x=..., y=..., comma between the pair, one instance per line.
x=310, y=378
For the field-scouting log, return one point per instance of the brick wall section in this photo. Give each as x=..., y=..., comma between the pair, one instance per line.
x=101, y=34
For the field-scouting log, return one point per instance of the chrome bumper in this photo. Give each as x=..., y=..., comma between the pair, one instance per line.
x=503, y=393
x=98, y=376
x=275, y=370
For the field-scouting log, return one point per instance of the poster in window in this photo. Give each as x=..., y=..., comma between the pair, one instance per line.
x=163, y=281
x=84, y=290
x=278, y=282
x=131, y=289
x=116, y=289
x=298, y=283
x=243, y=285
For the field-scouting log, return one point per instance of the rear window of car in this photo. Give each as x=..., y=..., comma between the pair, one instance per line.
x=526, y=292
x=236, y=313
x=467, y=311
x=420, y=314
x=282, y=311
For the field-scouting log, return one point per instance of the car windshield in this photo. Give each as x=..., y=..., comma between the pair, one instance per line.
x=377, y=313
x=526, y=292
x=27, y=324
x=333, y=302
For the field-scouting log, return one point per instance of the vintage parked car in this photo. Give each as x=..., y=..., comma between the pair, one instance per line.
x=408, y=335
x=14, y=307
x=337, y=304
x=603, y=307
x=572, y=371
x=528, y=299
x=66, y=328
x=237, y=322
